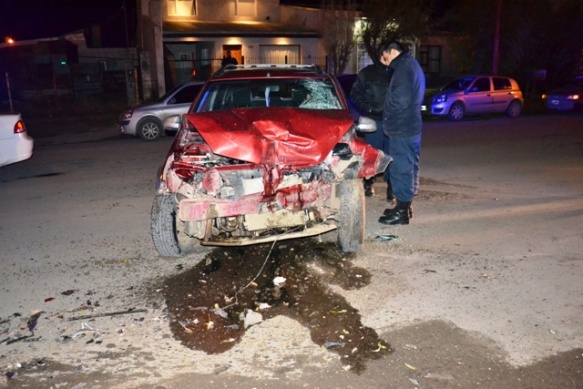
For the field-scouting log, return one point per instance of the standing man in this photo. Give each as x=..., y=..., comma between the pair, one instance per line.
x=402, y=124
x=228, y=60
x=369, y=93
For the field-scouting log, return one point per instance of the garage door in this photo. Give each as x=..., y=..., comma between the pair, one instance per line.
x=279, y=54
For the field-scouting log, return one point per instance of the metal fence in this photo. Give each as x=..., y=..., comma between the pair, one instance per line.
x=181, y=71
x=50, y=81
x=33, y=79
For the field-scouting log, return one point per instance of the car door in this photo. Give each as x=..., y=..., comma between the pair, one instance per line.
x=478, y=96
x=502, y=94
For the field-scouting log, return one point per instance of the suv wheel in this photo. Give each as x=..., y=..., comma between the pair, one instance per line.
x=514, y=109
x=351, y=216
x=456, y=112
x=149, y=129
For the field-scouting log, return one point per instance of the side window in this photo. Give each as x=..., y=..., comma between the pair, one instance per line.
x=481, y=85
x=501, y=83
x=186, y=95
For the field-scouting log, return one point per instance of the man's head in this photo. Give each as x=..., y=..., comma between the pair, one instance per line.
x=390, y=51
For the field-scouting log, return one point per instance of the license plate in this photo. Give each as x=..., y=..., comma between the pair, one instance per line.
x=555, y=102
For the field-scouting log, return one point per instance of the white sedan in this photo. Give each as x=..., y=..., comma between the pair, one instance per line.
x=15, y=144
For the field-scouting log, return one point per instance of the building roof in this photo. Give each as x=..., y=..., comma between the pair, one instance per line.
x=183, y=29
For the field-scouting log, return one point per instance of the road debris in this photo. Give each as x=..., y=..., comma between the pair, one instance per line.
x=386, y=237
x=32, y=320
x=91, y=316
x=410, y=366
x=250, y=318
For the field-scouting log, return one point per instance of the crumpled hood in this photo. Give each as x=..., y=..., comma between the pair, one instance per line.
x=272, y=136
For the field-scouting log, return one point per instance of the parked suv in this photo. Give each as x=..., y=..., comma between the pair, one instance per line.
x=476, y=94
x=146, y=121
x=265, y=153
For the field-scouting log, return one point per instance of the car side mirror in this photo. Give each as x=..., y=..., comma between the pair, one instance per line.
x=366, y=124
x=172, y=123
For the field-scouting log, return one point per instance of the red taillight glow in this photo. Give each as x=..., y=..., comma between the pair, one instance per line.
x=19, y=127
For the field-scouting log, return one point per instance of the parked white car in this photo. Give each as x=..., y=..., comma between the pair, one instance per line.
x=15, y=144
x=146, y=121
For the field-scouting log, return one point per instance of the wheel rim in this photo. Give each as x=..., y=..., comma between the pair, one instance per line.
x=150, y=130
x=457, y=112
x=514, y=109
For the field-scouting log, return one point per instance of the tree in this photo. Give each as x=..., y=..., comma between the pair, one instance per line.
x=386, y=20
x=337, y=30
x=534, y=34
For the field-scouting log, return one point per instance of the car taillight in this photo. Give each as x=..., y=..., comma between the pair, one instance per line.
x=19, y=127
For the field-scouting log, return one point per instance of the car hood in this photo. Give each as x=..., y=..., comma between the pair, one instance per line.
x=151, y=106
x=273, y=136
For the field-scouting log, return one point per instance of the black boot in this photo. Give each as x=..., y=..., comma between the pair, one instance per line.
x=387, y=211
x=368, y=189
x=397, y=215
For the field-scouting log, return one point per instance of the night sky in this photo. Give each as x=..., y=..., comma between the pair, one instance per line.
x=31, y=19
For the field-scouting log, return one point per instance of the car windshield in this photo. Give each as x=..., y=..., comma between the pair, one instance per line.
x=307, y=93
x=459, y=84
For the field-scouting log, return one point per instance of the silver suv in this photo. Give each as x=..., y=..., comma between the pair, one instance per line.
x=146, y=121
x=477, y=94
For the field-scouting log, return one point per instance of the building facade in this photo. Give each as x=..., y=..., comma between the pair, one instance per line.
x=180, y=40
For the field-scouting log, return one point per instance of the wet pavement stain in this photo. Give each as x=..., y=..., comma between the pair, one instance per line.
x=207, y=303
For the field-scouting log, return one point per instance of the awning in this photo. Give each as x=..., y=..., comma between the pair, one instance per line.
x=184, y=29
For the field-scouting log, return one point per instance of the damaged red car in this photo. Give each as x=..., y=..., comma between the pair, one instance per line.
x=265, y=153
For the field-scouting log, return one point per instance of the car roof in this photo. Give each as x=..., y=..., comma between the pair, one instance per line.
x=268, y=70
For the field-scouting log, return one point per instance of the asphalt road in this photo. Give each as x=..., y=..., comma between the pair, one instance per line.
x=483, y=289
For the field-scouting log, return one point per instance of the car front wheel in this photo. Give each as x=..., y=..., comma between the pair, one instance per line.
x=456, y=112
x=165, y=234
x=514, y=109
x=351, y=220
x=149, y=129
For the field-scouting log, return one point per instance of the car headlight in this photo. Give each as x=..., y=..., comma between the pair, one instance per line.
x=573, y=97
x=440, y=99
x=128, y=114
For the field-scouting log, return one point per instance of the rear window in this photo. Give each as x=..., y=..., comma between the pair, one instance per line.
x=308, y=93
x=501, y=83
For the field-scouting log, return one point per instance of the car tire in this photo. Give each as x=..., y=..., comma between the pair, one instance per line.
x=163, y=228
x=351, y=218
x=149, y=129
x=456, y=112
x=514, y=109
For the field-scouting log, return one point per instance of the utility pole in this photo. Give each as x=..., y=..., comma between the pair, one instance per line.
x=496, y=49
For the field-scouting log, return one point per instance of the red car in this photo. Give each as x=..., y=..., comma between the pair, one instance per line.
x=266, y=153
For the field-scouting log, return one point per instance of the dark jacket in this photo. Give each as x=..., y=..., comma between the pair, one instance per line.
x=402, y=110
x=370, y=89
